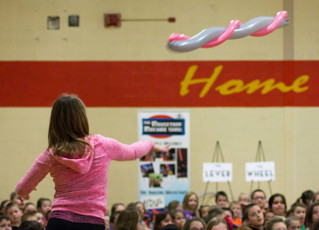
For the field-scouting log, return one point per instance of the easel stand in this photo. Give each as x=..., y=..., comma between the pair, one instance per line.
x=260, y=156
x=217, y=153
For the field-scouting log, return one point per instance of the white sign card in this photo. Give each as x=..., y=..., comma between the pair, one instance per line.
x=260, y=171
x=217, y=172
x=153, y=202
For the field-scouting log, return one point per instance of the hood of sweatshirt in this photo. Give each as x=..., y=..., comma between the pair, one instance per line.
x=81, y=164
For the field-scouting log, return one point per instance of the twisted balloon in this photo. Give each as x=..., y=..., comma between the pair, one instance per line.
x=214, y=36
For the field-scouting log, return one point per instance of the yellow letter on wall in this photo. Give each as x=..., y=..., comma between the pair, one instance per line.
x=209, y=81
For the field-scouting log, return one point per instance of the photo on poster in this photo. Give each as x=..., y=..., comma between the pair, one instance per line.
x=148, y=157
x=169, y=156
x=182, y=162
x=147, y=169
x=155, y=180
x=153, y=156
x=167, y=170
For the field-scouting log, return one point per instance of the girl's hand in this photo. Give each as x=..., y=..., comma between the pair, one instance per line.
x=158, y=148
x=23, y=197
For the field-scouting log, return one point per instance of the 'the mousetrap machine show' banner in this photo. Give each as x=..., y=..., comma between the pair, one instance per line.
x=164, y=177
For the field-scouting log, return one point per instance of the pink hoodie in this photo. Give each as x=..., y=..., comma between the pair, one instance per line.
x=81, y=184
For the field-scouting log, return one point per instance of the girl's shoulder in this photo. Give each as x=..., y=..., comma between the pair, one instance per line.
x=46, y=157
x=96, y=138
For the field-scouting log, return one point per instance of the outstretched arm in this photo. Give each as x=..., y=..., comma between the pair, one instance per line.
x=38, y=171
x=121, y=152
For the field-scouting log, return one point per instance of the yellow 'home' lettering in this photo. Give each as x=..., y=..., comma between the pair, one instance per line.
x=237, y=85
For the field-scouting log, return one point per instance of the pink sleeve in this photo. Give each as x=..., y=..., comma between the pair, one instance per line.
x=122, y=152
x=38, y=171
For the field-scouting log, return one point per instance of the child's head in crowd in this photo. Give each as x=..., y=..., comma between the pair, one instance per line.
x=179, y=218
x=253, y=216
x=116, y=210
x=128, y=220
x=5, y=223
x=14, y=199
x=140, y=206
x=312, y=215
x=306, y=197
x=31, y=225
x=29, y=207
x=315, y=197
x=228, y=212
x=214, y=211
x=277, y=204
x=276, y=224
x=190, y=202
x=299, y=210
x=3, y=205
x=195, y=223
x=236, y=209
x=293, y=223
x=203, y=211
x=243, y=200
x=174, y=205
x=217, y=223
x=258, y=197
x=221, y=199
x=44, y=205
x=162, y=219
x=268, y=216
x=14, y=213
x=33, y=216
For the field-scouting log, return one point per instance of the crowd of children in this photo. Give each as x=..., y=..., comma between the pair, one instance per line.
x=249, y=212
x=15, y=214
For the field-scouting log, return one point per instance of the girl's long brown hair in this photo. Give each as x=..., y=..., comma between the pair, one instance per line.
x=68, y=126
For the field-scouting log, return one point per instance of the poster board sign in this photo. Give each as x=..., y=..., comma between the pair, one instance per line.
x=164, y=175
x=260, y=171
x=217, y=172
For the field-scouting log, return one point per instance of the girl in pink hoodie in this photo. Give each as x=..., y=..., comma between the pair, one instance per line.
x=78, y=163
